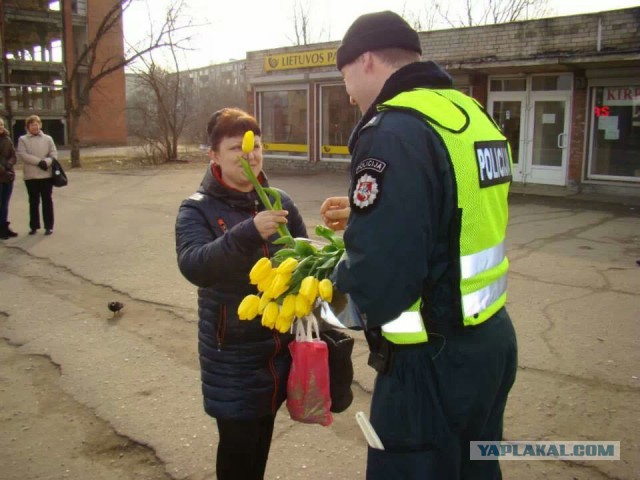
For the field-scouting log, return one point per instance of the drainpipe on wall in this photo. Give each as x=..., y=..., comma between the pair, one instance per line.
x=599, y=42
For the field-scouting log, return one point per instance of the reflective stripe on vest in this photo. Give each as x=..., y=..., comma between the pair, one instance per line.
x=472, y=265
x=408, y=328
x=475, y=302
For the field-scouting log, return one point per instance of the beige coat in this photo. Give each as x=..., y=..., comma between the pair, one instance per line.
x=32, y=149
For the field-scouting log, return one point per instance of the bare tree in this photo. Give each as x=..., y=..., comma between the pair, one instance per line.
x=421, y=20
x=164, y=106
x=86, y=72
x=302, y=28
x=469, y=13
x=216, y=94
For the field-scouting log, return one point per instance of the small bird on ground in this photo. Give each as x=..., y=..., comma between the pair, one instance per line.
x=115, y=307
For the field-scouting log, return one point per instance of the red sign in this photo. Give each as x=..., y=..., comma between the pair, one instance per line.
x=621, y=96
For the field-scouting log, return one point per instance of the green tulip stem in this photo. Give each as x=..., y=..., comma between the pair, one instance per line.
x=283, y=231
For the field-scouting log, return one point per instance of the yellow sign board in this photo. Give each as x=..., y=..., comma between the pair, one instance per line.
x=335, y=149
x=284, y=147
x=308, y=59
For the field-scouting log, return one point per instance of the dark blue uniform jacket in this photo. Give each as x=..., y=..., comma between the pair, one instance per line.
x=403, y=205
x=244, y=366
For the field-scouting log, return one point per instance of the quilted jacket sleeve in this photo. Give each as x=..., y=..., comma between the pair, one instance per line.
x=210, y=260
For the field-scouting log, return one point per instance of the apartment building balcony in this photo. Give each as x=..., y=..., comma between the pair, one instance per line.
x=24, y=100
x=22, y=13
x=19, y=67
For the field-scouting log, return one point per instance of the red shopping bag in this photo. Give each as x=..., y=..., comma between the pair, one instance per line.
x=308, y=394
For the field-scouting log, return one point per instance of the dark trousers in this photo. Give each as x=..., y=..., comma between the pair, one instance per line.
x=439, y=397
x=5, y=195
x=40, y=189
x=243, y=448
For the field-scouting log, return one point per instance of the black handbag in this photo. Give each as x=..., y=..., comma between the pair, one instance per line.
x=58, y=177
x=340, y=346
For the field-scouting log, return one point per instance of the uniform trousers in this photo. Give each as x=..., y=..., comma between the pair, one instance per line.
x=438, y=397
x=243, y=448
x=40, y=189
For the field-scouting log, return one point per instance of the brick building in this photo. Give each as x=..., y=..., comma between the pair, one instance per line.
x=565, y=90
x=40, y=41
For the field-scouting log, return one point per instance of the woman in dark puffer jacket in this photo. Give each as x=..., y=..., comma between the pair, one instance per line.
x=221, y=231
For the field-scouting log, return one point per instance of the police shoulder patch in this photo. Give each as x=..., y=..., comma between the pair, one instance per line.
x=367, y=183
x=494, y=162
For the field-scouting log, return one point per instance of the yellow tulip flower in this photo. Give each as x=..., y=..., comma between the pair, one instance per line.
x=248, y=308
x=325, y=288
x=264, y=300
x=283, y=323
x=309, y=288
x=303, y=307
x=288, y=306
x=248, y=141
x=279, y=285
x=270, y=315
x=288, y=266
x=266, y=282
x=260, y=270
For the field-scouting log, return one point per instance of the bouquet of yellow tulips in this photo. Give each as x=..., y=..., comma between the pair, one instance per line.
x=295, y=279
x=291, y=283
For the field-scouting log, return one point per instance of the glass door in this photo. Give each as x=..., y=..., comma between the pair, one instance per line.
x=534, y=114
x=508, y=114
x=548, y=134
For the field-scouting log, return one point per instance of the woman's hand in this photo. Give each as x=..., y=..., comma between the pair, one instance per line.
x=335, y=212
x=267, y=221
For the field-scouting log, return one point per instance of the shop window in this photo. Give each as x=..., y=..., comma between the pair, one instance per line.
x=615, y=132
x=283, y=120
x=551, y=83
x=508, y=85
x=337, y=121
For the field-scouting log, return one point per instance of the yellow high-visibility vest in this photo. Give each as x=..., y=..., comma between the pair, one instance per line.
x=481, y=160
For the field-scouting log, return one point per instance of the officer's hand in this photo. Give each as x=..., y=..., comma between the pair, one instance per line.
x=42, y=164
x=335, y=212
x=267, y=222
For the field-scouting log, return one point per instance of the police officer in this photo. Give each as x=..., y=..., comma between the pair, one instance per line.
x=426, y=265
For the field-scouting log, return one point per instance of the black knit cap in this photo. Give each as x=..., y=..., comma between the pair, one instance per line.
x=375, y=31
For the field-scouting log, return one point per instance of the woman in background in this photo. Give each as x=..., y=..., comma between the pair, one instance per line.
x=7, y=177
x=37, y=150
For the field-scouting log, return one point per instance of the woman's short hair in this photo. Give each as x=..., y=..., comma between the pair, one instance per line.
x=229, y=122
x=31, y=119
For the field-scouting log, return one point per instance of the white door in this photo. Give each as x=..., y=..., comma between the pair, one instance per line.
x=547, y=139
x=534, y=114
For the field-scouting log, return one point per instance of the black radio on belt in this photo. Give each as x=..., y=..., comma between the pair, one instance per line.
x=380, y=351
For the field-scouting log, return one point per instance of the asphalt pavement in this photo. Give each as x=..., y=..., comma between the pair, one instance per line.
x=573, y=295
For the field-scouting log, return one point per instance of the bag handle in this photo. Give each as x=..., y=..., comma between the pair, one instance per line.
x=305, y=334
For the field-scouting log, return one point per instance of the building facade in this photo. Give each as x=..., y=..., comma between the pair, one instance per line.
x=40, y=42
x=229, y=74
x=565, y=91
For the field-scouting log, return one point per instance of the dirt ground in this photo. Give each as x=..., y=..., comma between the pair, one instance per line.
x=86, y=395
